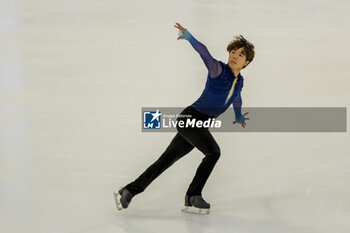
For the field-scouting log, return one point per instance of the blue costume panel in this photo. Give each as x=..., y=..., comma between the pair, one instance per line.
x=216, y=96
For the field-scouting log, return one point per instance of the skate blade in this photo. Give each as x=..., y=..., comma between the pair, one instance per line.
x=117, y=197
x=194, y=210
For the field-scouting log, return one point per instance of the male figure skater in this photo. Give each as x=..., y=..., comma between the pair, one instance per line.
x=223, y=87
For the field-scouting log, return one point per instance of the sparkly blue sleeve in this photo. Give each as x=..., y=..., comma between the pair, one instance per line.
x=237, y=104
x=214, y=67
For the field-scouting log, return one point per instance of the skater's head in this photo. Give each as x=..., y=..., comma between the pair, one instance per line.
x=241, y=52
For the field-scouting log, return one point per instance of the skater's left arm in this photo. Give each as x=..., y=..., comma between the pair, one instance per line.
x=237, y=105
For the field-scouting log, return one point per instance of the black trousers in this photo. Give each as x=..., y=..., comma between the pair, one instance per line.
x=184, y=141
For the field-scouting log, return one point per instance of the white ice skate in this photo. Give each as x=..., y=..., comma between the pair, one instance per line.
x=196, y=205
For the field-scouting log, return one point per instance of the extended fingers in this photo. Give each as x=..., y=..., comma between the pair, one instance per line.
x=178, y=26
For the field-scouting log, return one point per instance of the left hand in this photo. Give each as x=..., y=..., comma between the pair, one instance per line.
x=243, y=124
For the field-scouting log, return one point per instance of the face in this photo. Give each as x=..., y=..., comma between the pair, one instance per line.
x=237, y=59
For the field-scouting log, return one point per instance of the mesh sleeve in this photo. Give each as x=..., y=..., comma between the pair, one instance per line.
x=214, y=67
x=237, y=105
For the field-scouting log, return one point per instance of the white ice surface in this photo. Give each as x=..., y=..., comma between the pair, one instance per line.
x=75, y=74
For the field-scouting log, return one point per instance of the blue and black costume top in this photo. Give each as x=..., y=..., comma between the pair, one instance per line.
x=219, y=92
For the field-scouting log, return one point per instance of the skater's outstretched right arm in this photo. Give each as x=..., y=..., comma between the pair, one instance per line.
x=214, y=67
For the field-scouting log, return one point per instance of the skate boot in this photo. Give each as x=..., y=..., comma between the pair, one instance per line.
x=122, y=198
x=196, y=204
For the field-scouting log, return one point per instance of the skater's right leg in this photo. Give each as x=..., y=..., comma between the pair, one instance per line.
x=178, y=148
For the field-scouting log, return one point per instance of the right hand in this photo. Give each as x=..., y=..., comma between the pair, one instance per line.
x=183, y=30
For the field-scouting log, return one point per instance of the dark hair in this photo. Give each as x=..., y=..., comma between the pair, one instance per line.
x=241, y=42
